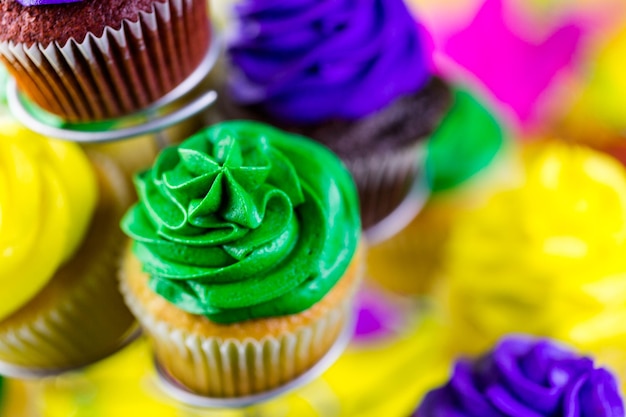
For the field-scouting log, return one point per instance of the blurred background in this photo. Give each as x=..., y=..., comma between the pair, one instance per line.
x=524, y=230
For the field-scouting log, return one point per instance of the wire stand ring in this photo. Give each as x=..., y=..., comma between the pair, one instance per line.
x=136, y=123
x=24, y=372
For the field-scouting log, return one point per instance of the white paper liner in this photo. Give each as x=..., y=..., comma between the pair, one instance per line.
x=227, y=368
x=119, y=72
x=87, y=319
x=179, y=393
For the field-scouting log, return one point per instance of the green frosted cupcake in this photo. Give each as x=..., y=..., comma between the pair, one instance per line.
x=244, y=258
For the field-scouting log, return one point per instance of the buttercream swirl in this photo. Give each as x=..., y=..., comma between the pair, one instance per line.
x=244, y=221
x=308, y=61
x=546, y=257
x=48, y=192
x=523, y=377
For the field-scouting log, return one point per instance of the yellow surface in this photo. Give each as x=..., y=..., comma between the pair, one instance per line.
x=382, y=378
x=546, y=258
x=48, y=192
x=16, y=400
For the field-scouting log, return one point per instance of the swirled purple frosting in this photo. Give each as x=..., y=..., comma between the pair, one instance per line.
x=307, y=61
x=44, y=2
x=523, y=377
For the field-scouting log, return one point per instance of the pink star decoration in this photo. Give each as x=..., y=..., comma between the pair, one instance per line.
x=512, y=66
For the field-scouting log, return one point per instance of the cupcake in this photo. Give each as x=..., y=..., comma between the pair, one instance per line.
x=60, y=306
x=354, y=77
x=526, y=377
x=244, y=257
x=544, y=257
x=464, y=156
x=100, y=59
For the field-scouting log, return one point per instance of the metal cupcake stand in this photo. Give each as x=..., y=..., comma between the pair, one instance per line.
x=153, y=120
x=22, y=372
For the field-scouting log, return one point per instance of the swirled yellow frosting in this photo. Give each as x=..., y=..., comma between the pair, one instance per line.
x=48, y=192
x=546, y=258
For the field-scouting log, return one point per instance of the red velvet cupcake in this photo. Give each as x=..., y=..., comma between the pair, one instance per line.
x=100, y=59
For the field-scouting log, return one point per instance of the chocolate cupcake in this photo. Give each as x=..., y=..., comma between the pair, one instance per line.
x=100, y=59
x=355, y=78
x=468, y=157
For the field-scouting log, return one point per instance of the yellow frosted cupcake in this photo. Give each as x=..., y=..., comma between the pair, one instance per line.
x=244, y=258
x=59, y=245
x=546, y=258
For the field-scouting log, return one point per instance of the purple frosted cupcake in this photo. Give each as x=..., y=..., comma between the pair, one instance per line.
x=524, y=377
x=353, y=76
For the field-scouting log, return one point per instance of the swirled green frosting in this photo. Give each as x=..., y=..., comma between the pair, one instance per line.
x=244, y=221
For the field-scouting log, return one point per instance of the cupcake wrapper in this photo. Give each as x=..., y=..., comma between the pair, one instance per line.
x=119, y=72
x=87, y=319
x=72, y=334
x=384, y=180
x=221, y=368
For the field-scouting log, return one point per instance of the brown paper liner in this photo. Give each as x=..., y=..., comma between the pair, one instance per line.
x=79, y=316
x=242, y=358
x=384, y=180
x=118, y=73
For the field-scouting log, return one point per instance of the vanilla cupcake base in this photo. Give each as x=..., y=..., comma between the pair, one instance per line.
x=231, y=367
x=79, y=316
x=240, y=359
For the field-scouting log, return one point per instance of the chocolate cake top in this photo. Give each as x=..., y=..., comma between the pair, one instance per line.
x=61, y=22
x=408, y=119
